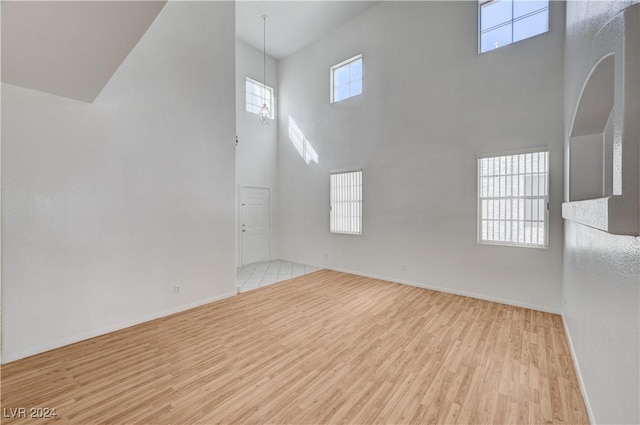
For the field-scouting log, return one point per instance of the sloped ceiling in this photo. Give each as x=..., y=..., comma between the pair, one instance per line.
x=70, y=48
x=292, y=25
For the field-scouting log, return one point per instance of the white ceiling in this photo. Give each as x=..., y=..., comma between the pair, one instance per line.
x=292, y=25
x=70, y=48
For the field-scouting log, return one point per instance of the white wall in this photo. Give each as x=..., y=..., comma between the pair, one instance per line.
x=256, y=154
x=107, y=206
x=601, y=271
x=587, y=167
x=430, y=105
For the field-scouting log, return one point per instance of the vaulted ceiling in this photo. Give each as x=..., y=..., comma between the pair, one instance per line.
x=292, y=25
x=72, y=48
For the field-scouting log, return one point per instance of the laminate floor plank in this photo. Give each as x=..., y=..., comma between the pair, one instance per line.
x=326, y=347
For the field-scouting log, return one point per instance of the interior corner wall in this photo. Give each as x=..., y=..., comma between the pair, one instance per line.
x=601, y=271
x=107, y=206
x=256, y=153
x=430, y=105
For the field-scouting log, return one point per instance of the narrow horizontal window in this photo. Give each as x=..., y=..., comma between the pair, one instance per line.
x=502, y=22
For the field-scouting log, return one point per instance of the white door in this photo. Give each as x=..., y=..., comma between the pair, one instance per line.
x=254, y=224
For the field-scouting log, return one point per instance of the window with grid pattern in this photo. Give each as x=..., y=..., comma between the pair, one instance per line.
x=513, y=199
x=502, y=22
x=257, y=94
x=346, y=79
x=345, y=209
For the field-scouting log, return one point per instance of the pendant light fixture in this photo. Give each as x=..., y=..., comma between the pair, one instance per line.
x=264, y=113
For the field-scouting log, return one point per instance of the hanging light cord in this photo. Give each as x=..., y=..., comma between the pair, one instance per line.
x=264, y=59
x=265, y=111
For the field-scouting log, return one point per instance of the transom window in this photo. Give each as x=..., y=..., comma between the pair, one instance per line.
x=503, y=22
x=346, y=79
x=513, y=199
x=345, y=195
x=258, y=94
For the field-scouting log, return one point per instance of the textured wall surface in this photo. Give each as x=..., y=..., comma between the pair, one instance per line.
x=601, y=271
x=430, y=105
x=107, y=206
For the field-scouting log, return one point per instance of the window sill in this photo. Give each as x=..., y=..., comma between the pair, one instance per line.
x=614, y=214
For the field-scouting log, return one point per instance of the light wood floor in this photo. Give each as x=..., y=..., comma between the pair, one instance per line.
x=326, y=347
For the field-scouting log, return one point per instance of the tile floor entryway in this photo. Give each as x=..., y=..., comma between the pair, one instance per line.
x=256, y=275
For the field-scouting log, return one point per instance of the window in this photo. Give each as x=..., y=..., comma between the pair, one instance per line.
x=345, y=192
x=346, y=79
x=513, y=199
x=258, y=94
x=503, y=22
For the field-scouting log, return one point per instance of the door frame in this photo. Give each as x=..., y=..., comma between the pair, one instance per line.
x=240, y=187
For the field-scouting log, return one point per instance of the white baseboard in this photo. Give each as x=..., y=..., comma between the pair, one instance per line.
x=450, y=291
x=435, y=288
x=576, y=365
x=81, y=337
